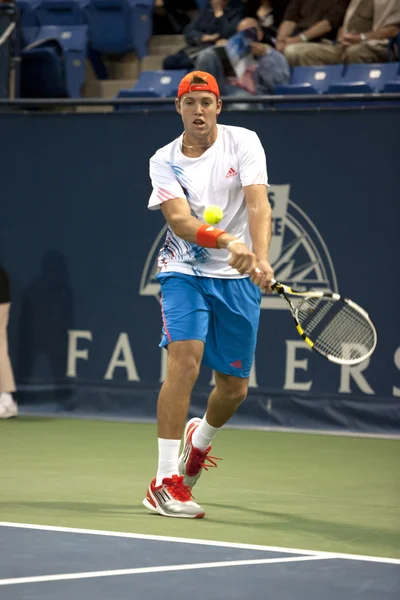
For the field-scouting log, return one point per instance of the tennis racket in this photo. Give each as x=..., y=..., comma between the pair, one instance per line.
x=335, y=327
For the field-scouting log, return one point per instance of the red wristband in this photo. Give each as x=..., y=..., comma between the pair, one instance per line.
x=207, y=236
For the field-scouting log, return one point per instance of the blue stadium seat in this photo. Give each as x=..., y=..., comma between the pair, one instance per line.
x=57, y=53
x=29, y=20
x=392, y=87
x=62, y=12
x=310, y=80
x=153, y=84
x=364, y=78
x=394, y=48
x=142, y=25
x=163, y=83
x=120, y=26
x=42, y=72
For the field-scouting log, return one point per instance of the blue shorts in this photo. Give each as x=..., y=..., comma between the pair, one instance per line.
x=222, y=313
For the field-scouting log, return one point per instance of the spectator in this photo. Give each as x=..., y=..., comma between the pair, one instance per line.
x=217, y=20
x=371, y=44
x=172, y=16
x=269, y=13
x=307, y=22
x=271, y=67
x=8, y=407
x=364, y=37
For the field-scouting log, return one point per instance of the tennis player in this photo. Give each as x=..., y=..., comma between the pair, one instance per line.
x=211, y=280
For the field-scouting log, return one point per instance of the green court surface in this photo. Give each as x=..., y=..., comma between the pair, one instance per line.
x=330, y=493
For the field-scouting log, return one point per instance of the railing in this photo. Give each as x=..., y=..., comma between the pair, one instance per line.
x=262, y=103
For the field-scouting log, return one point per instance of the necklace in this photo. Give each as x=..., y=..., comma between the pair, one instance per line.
x=190, y=147
x=186, y=146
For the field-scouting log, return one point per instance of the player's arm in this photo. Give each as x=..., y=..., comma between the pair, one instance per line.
x=178, y=216
x=260, y=220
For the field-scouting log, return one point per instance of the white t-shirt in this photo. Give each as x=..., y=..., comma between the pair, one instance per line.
x=236, y=159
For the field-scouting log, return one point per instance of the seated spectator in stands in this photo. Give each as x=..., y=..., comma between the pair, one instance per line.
x=270, y=69
x=269, y=13
x=364, y=37
x=217, y=20
x=172, y=16
x=307, y=22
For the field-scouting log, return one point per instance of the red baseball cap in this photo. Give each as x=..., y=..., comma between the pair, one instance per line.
x=187, y=86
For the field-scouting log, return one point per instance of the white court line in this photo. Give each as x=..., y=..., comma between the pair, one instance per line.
x=161, y=569
x=161, y=538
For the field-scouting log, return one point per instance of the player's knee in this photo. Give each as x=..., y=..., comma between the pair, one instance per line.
x=236, y=397
x=240, y=394
x=233, y=389
x=184, y=366
x=190, y=366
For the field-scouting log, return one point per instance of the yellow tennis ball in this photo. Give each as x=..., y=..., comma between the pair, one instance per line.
x=213, y=214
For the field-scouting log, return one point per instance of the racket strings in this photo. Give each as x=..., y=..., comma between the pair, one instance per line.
x=336, y=328
x=346, y=339
x=309, y=316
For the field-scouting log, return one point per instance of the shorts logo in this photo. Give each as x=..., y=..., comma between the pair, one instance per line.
x=237, y=364
x=298, y=252
x=231, y=173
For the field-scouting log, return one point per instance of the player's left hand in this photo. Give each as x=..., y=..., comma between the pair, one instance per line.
x=262, y=276
x=242, y=258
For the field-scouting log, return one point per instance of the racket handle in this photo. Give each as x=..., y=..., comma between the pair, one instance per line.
x=272, y=282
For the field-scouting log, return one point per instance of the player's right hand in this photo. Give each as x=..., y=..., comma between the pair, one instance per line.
x=242, y=258
x=262, y=276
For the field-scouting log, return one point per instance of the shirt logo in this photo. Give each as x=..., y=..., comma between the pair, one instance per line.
x=231, y=173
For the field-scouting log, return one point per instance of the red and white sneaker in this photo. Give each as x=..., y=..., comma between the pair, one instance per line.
x=172, y=499
x=192, y=461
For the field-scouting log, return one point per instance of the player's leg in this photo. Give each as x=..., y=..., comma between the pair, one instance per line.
x=184, y=359
x=183, y=366
x=224, y=400
x=229, y=350
x=8, y=406
x=185, y=321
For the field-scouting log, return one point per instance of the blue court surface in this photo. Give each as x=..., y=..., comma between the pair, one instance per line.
x=43, y=563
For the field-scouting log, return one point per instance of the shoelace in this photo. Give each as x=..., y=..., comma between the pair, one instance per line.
x=198, y=460
x=178, y=489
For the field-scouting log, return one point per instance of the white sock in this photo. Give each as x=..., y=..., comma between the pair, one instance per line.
x=168, y=458
x=6, y=398
x=204, y=434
